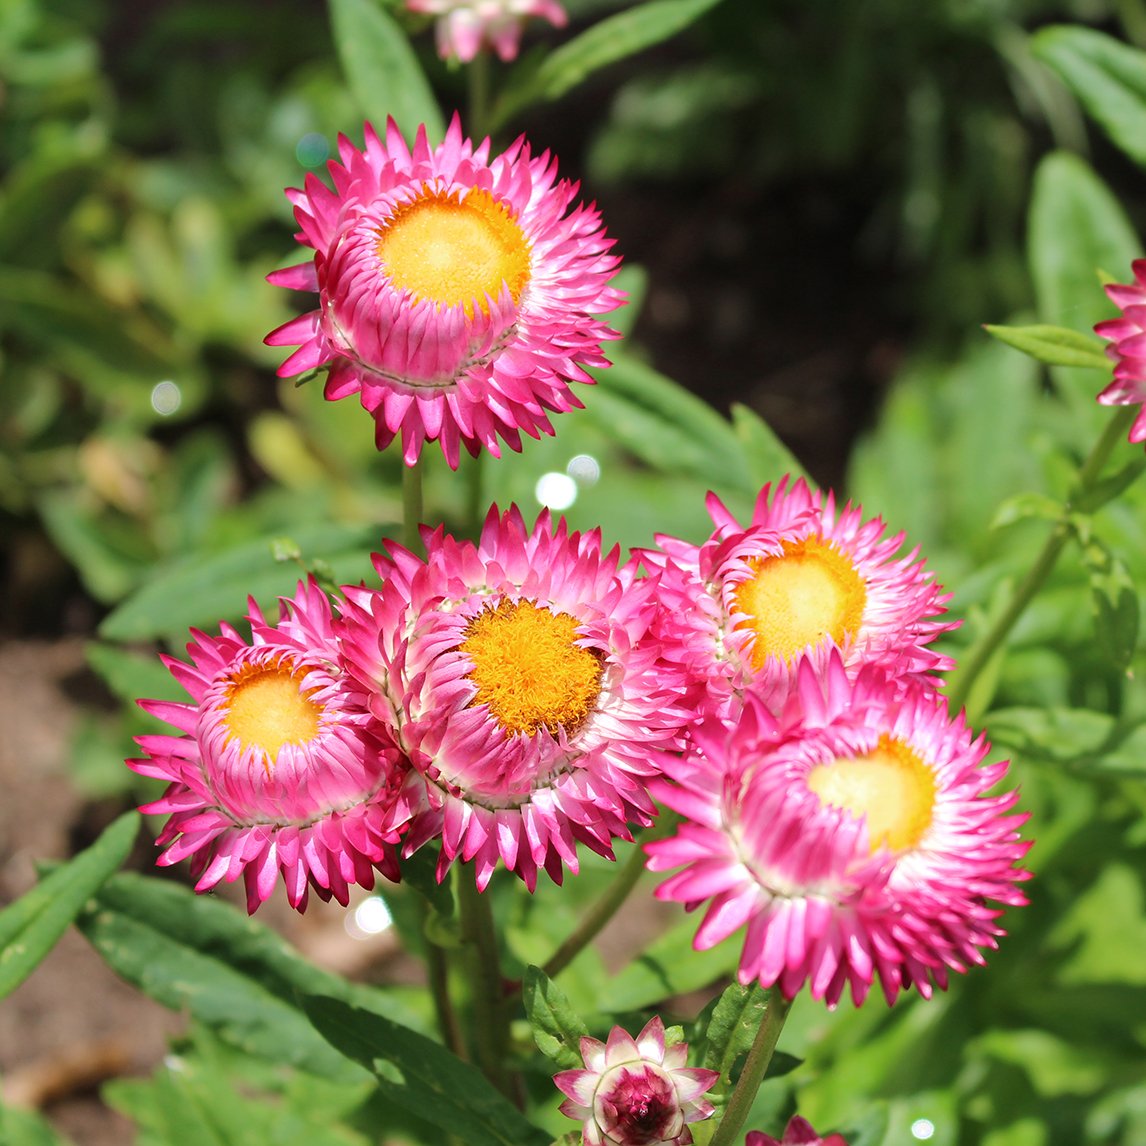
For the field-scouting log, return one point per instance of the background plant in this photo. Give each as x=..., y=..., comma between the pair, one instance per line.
x=142, y=206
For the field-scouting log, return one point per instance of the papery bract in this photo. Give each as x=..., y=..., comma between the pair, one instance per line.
x=1127, y=336
x=520, y=678
x=798, y=1132
x=636, y=1092
x=850, y=833
x=466, y=27
x=279, y=766
x=457, y=293
x=800, y=579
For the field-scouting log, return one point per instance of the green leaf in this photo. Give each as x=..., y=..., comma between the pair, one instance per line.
x=30, y=926
x=1076, y=228
x=767, y=457
x=1054, y=345
x=191, y=952
x=200, y=590
x=735, y=1021
x=26, y=1128
x=423, y=1077
x=1108, y=77
x=1114, y=603
x=383, y=70
x=612, y=39
x=667, y=427
x=133, y=675
x=1027, y=507
x=557, y=1028
x=1079, y=738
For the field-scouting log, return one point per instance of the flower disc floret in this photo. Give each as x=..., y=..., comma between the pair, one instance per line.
x=279, y=766
x=458, y=294
x=800, y=579
x=520, y=678
x=636, y=1092
x=1127, y=337
x=467, y=27
x=849, y=831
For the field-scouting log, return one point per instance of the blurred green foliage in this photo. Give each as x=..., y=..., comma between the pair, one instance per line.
x=145, y=149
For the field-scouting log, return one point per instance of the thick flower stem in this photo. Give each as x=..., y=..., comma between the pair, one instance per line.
x=477, y=77
x=488, y=1019
x=607, y=906
x=412, y=507
x=756, y=1066
x=980, y=653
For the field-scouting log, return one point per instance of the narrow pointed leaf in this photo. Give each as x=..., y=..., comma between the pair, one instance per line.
x=30, y=927
x=382, y=69
x=1109, y=78
x=196, y=953
x=423, y=1077
x=1054, y=345
x=607, y=42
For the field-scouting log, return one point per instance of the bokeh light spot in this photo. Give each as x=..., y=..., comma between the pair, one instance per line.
x=922, y=1129
x=312, y=150
x=556, y=491
x=584, y=469
x=166, y=397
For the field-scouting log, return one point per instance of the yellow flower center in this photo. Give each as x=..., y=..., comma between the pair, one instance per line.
x=891, y=786
x=799, y=597
x=455, y=250
x=266, y=708
x=529, y=670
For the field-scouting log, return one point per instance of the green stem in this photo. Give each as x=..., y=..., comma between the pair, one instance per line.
x=981, y=652
x=489, y=1025
x=438, y=971
x=756, y=1066
x=608, y=905
x=412, y=507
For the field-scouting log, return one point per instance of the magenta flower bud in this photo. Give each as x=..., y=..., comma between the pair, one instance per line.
x=636, y=1092
x=798, y=1132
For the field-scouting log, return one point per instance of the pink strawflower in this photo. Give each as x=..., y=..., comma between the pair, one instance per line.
x=457, y=294
x=279, y=766
x=466, y=27
x=521, y=682
x=851, y=833
x=636, y=1092
x=1127, y=335
x=801, y=579
x=798, y=1132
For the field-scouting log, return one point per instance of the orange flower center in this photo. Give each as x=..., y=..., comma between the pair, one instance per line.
x=799, y=597
x=529, y=670
x=891, y=786
x=455, y=250
x=265, y=708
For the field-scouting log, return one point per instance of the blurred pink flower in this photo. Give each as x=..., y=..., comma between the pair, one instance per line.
x=800, y=580
x=457, y=294
x=466, y=27
x=520, y=679
x=279, y=766
x=1127, y=335
x=636, y=1092
x=798, y=1132
x=851, y=833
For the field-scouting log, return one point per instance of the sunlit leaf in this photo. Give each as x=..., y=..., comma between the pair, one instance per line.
x=30, y=927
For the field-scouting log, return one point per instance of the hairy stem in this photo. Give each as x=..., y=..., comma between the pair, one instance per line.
x=744, y=1092
x=980, y=653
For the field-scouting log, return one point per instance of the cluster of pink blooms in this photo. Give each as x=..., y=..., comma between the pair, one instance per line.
x=511, y=700
x=518, y=697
